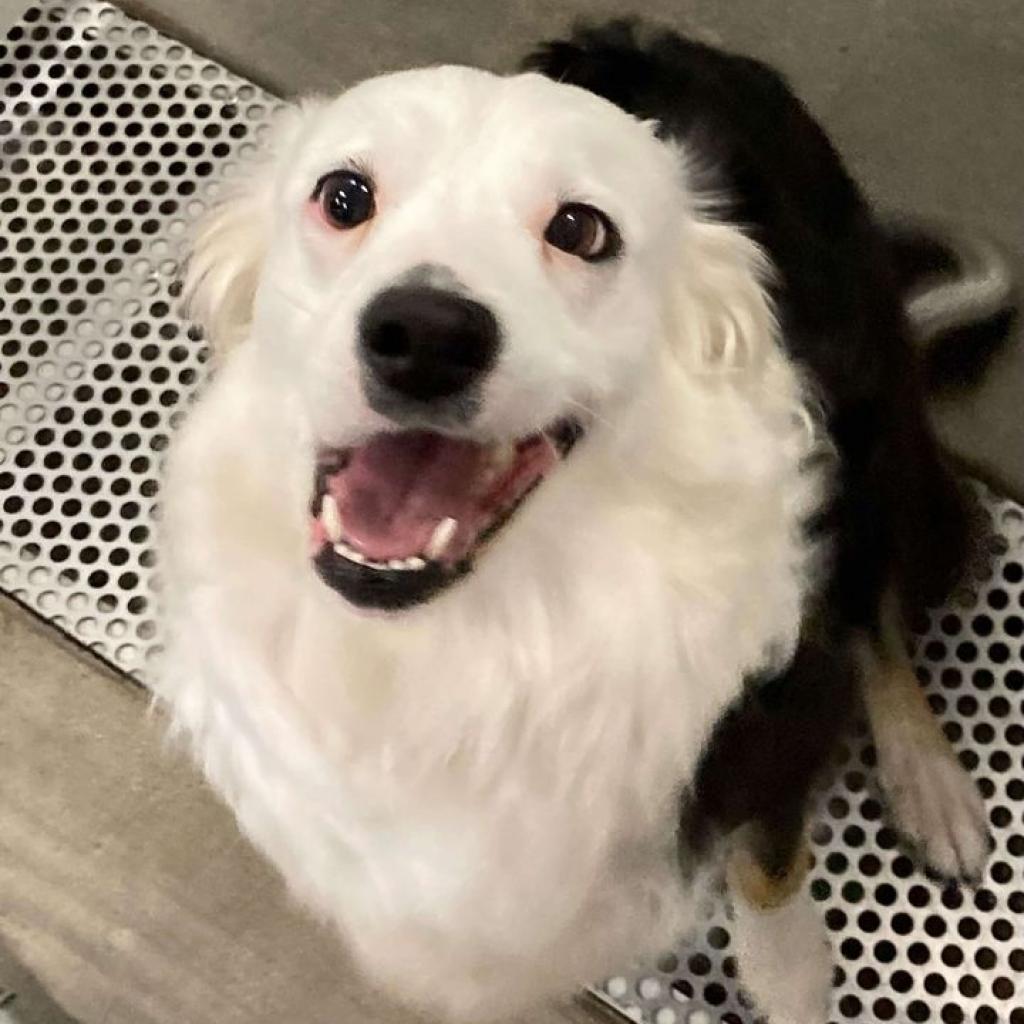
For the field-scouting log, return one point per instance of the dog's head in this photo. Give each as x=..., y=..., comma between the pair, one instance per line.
x=460, y=279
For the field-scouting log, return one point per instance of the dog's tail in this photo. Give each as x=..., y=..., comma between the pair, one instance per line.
x=961, y=300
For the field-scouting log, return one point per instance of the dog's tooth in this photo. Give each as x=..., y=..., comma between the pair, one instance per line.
x=331, y=519
x=396, y=563
x=415, y=562
x=350, y=553
x=441, y=537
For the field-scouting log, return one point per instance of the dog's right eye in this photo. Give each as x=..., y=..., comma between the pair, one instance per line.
x=346, y=198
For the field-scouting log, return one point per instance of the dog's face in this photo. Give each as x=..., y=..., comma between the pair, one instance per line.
x=456, y=276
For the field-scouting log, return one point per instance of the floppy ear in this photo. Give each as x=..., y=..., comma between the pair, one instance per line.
x=722, y=308
x=230, y=240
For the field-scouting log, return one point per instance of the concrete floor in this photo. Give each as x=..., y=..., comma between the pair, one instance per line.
x=127, y=895
x=124, y=887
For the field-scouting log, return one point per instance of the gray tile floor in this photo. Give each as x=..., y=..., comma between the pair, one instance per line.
x=135, y=899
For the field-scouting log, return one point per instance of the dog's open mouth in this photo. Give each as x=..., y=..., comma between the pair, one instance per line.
x=400, y=517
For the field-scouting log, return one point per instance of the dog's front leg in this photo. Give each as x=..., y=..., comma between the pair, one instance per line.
x=782, y=949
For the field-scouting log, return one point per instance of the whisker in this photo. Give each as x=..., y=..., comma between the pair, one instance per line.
x=290, y=298
x=592, y=413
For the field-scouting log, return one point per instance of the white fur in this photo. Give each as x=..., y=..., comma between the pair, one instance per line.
x=983, y=287
x=482, y=792
x=934, y=801
x=933, y=798
x=785, y=960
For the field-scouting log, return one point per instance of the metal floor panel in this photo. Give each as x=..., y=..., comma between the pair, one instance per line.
x=906, y=947
x=112, y=137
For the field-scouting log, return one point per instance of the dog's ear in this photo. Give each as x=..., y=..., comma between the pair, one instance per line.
x=723, y=316
x=230, y=240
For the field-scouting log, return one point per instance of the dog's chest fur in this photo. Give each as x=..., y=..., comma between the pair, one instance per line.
x=461, y=809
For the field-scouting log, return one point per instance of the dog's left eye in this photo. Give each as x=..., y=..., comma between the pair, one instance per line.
x=583, y=231
x=346, y=198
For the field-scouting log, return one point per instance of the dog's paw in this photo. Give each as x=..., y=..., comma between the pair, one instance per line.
x=937, y=805
x=784, y=960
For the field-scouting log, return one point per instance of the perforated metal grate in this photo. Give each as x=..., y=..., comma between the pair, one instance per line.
x=906, y=947
x=111, y=138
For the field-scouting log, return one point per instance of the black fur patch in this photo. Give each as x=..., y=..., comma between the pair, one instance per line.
x=896, y=517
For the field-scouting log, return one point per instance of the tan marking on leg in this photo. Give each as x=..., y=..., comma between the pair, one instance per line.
x=764, y=891
x=895, y=702
x=932, y=798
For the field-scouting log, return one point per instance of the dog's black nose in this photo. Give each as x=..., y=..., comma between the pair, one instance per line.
x=427, y=343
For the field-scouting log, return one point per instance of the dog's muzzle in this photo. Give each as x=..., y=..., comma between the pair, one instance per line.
x=402, y=516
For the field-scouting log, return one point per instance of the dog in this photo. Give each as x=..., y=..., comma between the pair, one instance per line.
x=562, y=489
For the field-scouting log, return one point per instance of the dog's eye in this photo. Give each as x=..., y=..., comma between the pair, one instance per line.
x=346, y=198
x=582, y=231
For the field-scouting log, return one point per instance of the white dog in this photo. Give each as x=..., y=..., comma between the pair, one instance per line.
x=505, y=484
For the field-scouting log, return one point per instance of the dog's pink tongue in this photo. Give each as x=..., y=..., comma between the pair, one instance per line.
x=396, y=488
